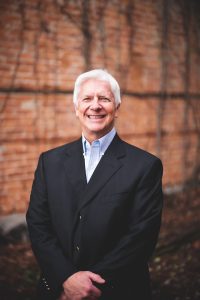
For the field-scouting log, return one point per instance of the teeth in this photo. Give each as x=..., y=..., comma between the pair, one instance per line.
x=96, y=116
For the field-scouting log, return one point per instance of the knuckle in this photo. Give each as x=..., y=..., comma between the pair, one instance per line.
x=88, y=289
x=85, y=294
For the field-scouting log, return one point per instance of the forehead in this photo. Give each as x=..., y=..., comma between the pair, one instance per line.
x=97, y=86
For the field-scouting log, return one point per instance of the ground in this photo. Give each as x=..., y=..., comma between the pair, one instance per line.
x=175, y=266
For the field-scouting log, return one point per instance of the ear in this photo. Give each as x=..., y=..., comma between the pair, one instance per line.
x=117, y=111
x=76, y=110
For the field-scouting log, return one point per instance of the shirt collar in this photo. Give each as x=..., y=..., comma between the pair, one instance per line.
x=104, y=142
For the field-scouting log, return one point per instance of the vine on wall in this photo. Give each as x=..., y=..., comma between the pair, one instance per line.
x=89, y=17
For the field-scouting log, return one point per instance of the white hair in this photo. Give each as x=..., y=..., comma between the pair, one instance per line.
x=98, y=74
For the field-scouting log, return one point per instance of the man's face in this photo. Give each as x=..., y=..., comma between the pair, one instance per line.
x=96, y=108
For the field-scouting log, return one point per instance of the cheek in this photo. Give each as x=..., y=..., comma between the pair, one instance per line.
x=79, y=111
x=78, y=114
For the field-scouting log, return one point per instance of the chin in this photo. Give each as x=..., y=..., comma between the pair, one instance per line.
x=96, y=126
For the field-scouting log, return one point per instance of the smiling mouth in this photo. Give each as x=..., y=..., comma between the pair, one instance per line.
x=96, y=117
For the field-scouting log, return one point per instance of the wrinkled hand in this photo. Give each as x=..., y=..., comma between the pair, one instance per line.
x=63, y=297
x=80, y=286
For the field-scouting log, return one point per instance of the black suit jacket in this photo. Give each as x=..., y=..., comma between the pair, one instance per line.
x=108, y=226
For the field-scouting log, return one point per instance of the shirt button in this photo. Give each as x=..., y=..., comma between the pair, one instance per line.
x=80, y=217
x=77, y=248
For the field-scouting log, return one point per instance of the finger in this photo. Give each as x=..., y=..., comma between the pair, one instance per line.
x=95, y=292
x=62, y=296
x=96, y=278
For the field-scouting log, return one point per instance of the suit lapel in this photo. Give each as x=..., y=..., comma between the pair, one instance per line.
x=107, y=167
x=75, y=167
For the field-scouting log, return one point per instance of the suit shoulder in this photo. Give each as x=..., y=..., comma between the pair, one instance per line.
x=141, y=154
x=60, y=149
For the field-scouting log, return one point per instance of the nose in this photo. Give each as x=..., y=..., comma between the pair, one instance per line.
x=95, y=105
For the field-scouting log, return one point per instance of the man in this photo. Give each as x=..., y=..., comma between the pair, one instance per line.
x=95, y=206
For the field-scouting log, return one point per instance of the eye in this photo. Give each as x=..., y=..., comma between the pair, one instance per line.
x=86, y=99
x=104, y=99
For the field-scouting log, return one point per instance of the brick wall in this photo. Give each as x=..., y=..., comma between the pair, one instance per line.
x=151, y=47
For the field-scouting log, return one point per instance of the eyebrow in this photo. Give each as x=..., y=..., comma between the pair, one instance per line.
x=99, y=95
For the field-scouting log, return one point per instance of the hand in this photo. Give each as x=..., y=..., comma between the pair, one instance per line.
x=80, y=286
x=63, y=297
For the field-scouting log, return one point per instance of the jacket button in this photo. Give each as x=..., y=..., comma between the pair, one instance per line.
x=80, y=217
x=77, y=248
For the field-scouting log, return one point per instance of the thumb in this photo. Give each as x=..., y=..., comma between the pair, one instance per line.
x=96, y=278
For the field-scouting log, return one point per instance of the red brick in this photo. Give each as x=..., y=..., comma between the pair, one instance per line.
x=45, y=51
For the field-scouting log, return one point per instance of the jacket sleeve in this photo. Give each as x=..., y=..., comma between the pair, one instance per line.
x=55, y=266
x=137, y=245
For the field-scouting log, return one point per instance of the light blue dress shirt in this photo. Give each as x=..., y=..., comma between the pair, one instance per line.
x=94, y=152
